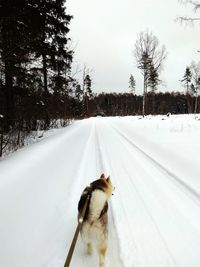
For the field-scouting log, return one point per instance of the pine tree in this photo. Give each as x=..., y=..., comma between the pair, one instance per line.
x=87, y=93
x=187, y=79
x=78, y=92
x=153, y=78
x=153, y=81
x=88, y=84
x=132, y=84
x=50, y=45
x=143, y=63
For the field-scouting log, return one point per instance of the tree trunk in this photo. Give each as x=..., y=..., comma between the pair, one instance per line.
x=153, y=103
x=144, y=95
x=143, y=99
x=189, y=109
x=47, y=119
x=1, y=144
x=196, y=101
x=9, y=98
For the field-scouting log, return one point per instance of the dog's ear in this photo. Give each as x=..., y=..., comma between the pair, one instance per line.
x=108, y=179
x=102, y=176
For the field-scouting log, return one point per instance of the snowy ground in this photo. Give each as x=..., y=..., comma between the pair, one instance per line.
x=154, y=215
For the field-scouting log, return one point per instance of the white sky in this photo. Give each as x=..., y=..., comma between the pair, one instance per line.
x=105, y=31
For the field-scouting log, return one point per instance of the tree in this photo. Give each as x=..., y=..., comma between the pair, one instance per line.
x=132, y=84
x=148, y=56
x=153, y=81
x=195, y=87
x=153, y=78
x=87, y=92
x=88, y=84
x=50, y=44
x=78, y=92
x=187, y=79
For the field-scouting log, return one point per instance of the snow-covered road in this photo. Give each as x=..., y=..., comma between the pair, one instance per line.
x=154, y=215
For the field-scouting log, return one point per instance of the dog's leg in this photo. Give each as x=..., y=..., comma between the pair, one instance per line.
x=102, y=253
x=89, y=249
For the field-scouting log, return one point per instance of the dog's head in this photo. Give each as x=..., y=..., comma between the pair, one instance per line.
x=103, y=183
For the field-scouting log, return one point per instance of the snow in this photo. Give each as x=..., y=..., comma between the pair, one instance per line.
x=154, y=215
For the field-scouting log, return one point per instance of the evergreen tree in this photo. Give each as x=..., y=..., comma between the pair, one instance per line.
x=87, y=93
x=186, y=82
x=87, y=85
x=79, y=99
x=143, y=64
x=195, y=89
x=187, y=79
x=153, y=78
x=153, y=81
x=50, y=45
x=132, y=84
x=78, y=92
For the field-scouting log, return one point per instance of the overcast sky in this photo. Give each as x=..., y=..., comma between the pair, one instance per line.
x=104, y=33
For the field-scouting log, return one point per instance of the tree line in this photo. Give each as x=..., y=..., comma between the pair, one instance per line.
x=125, y=104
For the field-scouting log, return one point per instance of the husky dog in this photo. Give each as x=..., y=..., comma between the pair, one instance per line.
x=94, y=229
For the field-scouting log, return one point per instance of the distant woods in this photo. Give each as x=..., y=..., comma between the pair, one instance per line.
x=113, y=104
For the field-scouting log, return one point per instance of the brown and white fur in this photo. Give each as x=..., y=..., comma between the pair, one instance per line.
x=94, y=230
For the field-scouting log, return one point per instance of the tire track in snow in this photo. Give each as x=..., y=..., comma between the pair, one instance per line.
x=119, y=164
x=110, y=169
x=128, y=241
x=68, y=207
x=90, y=168
x=172, y=176
x=113, y=248
x=80, y=258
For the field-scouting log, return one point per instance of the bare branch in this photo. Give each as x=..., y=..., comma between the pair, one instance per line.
x=189, y=20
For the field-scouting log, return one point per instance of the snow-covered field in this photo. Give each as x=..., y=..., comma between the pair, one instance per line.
x=154, y=215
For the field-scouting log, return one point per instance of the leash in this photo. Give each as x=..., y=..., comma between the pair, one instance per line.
x=73, y=244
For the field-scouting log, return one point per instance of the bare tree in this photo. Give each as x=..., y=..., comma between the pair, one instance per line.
x=148, y=54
